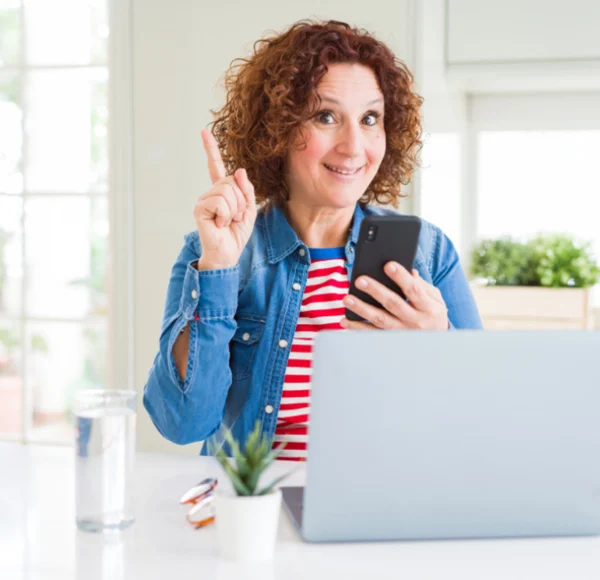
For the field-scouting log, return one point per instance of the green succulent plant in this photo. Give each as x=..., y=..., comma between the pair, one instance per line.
x=250, y=461
x=550, y=260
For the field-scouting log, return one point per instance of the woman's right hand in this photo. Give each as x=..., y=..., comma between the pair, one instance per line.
x=225, y=214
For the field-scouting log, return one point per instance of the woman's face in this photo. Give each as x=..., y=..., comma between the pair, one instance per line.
x=345, y=140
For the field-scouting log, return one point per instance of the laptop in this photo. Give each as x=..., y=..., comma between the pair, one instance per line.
x=464, y=434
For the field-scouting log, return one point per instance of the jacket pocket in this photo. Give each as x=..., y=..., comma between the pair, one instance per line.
x=244, y=344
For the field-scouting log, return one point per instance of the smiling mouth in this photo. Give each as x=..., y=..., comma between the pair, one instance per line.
x=341, y=171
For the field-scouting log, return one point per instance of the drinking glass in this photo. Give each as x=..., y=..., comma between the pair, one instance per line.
x=104, y=459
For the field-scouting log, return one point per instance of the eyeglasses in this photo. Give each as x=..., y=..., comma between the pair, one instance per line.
x=200, y=497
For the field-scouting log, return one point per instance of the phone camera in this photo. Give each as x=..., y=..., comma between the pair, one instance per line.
x=371, y=233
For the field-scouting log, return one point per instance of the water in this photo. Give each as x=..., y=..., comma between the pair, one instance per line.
x=104, y=462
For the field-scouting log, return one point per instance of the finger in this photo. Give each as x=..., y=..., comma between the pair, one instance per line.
x=391, y=301
x=235, y=197
x=240, y=199
x=217, y=208
x=376, y=316
x=241, y=178
x=410, y=285
x=216, y=167
x=356, y=325
x=429, y=288
x=226, y=192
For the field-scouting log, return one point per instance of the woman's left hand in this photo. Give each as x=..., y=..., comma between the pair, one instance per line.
x=425, y=309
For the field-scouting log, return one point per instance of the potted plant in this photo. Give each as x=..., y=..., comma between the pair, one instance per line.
x=11, y=399
x=247, y=518
x=543, y=283
x=4, y=238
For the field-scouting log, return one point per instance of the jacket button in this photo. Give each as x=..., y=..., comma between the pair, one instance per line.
x=269, y=409
x=296, y=286
x=194, y=294
x=302, y=252
x=246, y=336
x=283, y=343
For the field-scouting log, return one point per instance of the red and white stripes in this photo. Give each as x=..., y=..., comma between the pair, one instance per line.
x=321, y=309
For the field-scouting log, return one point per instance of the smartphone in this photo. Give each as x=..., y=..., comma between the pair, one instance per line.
x=383, y=239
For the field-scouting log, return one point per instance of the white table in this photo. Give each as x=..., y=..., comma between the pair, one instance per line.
x=39, y=540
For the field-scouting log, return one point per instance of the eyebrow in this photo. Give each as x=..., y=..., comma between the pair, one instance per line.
x=378, y=100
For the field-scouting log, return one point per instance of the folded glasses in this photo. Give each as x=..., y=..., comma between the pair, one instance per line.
x=200, y=498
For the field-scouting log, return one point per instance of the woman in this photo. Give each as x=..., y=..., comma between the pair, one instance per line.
x=319, y=122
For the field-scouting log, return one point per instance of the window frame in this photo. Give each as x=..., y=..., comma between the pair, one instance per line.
x=119, y=195
x=558, y=111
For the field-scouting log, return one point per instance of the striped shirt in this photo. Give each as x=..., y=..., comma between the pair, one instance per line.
x=321, y=309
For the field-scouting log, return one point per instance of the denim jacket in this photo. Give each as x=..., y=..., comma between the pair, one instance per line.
x=242, y=321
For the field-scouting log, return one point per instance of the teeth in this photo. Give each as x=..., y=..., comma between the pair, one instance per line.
x=341, y=171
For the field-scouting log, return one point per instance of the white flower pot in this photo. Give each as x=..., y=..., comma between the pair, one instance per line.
x=247, y=525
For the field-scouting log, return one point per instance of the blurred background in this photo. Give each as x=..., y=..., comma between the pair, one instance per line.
x=101, y=161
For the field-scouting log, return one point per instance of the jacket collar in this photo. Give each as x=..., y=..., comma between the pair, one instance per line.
x=281, y=239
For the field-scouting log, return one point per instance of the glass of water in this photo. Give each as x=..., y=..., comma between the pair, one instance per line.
x=104, y=459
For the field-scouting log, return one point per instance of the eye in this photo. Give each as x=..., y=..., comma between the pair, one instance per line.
x=324, y=117
x=371, y=118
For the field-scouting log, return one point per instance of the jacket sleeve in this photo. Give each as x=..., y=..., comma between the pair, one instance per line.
x=192, y=410
x=449, y=277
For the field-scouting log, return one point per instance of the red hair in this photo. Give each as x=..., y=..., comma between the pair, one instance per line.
x=272, y=93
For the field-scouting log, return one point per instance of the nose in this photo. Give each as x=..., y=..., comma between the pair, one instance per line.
x=350, y=140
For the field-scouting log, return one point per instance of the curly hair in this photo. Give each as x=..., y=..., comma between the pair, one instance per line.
x=273, y=92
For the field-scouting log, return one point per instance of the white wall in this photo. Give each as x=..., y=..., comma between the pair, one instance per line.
x=523, y=45
x=180, y=51
x=518, y=30
x=445, y=107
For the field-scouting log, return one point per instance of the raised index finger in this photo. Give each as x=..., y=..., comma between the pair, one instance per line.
x=216, y=167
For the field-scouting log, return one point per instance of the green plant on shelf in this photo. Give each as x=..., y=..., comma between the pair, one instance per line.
x=39, y=343
x=504, y=262
x=96, y=281
x=561, y=262
x=10, y=342
x=4, y=238
x=93, y=367
x=549, y=260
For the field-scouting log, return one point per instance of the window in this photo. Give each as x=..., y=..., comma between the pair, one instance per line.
x=532, y=181
x=536, y=166
x=53, y=212
x=440, y=179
